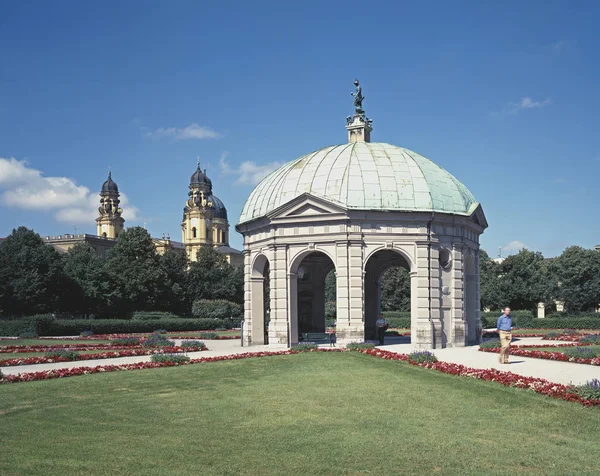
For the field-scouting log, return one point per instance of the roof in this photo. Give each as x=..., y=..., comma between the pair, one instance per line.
x=110, y=185
x=227, y=250
x=363, y=175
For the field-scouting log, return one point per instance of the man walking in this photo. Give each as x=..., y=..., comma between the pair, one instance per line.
x=504, y=326
x=382, y=326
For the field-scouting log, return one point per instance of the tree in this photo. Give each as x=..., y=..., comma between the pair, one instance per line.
x=577, y=272
x=395, y=290
x=490, y=293
x=89, y=280
x=134, y=271
x=31, y=274
x=212, y=277
x=173, y=296
x=524, y=280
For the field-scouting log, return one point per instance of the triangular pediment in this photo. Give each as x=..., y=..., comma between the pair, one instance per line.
x=479, y=217
x=306, y=205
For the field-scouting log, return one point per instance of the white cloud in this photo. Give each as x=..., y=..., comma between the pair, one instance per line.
x=193, y=131
x=513, y=247
x=26, y=188
x=248, y=172
x=524, y=104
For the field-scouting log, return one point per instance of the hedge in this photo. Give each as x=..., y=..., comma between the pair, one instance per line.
x=150, y=315
x=62, y=327
x=216, y=309
x=398, y=322
x=396, y=315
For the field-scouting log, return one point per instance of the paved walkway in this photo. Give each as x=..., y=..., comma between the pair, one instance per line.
x=559, y=372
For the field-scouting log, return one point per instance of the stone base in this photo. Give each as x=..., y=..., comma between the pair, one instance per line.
x=349, y=335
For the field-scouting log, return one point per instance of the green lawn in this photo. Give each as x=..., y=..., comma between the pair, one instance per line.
x=306, y=414
x=595, y=348
x=24, y=355
x=50, y=342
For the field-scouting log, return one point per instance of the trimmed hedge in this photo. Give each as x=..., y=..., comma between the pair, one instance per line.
x=153, y=315
x=396, y=315
x=216, y=309
x=38, y=324
x=398, y=322
x=61, y=327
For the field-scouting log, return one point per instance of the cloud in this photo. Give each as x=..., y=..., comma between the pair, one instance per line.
x=559, y=47
x=248, y=172
x=193, y=131
x=513, y=247
x=26, y=188
x=524, y=104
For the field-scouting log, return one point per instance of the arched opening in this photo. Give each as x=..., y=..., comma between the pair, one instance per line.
x=194, y=232
x=104, y=235
x=260, y=300
x=308, y=295
x=470, y=302
x=387, y=287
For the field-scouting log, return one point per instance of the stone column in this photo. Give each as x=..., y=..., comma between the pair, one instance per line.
x=342, y=292
x=246, y=333
x=426, y=332
x=458, y=336
x=560, y=306
x=354, y=329
x=279, y=325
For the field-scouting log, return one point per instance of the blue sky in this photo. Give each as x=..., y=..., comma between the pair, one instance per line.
x=504, y=95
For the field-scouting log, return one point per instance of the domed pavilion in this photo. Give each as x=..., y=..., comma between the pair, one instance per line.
x=359, y=209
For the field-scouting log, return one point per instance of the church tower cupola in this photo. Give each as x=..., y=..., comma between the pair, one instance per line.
x=204, y=216
x=110, y=222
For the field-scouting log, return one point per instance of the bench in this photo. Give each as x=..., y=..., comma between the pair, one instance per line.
x=318, y=337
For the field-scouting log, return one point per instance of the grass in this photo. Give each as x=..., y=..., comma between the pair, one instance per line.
x=311, y=413
x=24, y=355
x=50, y=342
x=562, y=350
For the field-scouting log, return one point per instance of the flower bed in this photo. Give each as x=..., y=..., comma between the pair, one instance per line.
x=12, y=349
x=542, y=354
x=128, y=352
x=508, y=379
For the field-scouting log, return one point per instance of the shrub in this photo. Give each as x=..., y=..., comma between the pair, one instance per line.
x=305, y=346
x=38, y=324
x=590, y=338
x=170, y=358
x=359, y=346
x=553, y=334
x=127, y=326
x=398, y=322
x=61, y=353
x=216, y=309
x=87, y=333
x=153, y=315
x=193, y=344
x=208, y=335
x=160, y=331
x=157, y=340
x=28, y=335
x=125, y=341
x=581, y=352
x=422, y=356
x=589, y=390
x=330, y=310
x=330, y=322
x=490, y=344
x=570, y=332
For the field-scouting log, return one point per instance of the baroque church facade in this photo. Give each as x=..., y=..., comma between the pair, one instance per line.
x=204, y=223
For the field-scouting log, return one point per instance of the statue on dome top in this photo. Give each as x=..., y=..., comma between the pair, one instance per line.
x=358, y=98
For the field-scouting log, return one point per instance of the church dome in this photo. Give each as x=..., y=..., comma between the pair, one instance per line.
x=363, y=176
x=110, y=185
x=219, y=210
x=200, y=178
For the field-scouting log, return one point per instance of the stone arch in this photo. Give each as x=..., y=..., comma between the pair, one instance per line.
x=470, y=299
x=259, y=273
x=407, y=257
x=375, y=265
x=306, y=285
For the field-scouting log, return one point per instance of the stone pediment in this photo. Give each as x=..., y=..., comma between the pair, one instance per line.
x=479, y=217
x=306, y=205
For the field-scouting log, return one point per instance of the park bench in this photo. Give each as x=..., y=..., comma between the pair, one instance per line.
x=318, y=337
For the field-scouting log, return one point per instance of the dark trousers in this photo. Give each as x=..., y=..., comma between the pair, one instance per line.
x=380, y=334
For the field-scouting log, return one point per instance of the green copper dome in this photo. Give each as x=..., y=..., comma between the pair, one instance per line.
x=365, y=176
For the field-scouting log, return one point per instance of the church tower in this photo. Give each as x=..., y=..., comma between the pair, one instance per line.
x=109, y=223
x=204, y=216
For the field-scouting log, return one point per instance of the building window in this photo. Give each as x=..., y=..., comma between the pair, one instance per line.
x=104, y=235
x=194, y=232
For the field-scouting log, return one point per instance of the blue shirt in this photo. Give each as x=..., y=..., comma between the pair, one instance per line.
x=504, y=323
